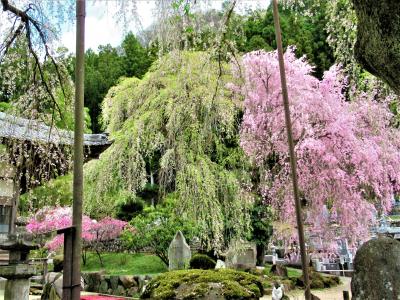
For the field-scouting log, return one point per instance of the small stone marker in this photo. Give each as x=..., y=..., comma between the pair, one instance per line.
x=220, y=264
x=179, y=253
x=377, y=270
x=243, y=257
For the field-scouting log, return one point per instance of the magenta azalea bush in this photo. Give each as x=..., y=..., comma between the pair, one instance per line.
x=347, y=152
x=50, y=219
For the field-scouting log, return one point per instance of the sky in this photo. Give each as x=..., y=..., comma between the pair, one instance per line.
x=102, y=26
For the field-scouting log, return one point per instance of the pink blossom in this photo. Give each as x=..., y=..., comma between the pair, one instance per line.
x=50, y=219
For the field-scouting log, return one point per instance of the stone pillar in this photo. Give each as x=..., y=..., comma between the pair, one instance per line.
x=179, y=253
x=17, y=289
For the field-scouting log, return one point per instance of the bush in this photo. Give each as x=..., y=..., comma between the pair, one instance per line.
x=202, y=261
x=318, y=281
x=155, y=229
x=193, y=284
x=129, y=208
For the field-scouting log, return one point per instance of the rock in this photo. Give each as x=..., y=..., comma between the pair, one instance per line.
x=114, y=280
x=92, y=280
x=141, y=281
x=209, y=291
x=204, y=284
x=103, y=287
x=127, y=281
x=120, y=291
x=378, y=39
x=241, y=256
x=279, y=270
x=132, y=291
x=220, y=264
x=377, y=270
x=179, y=253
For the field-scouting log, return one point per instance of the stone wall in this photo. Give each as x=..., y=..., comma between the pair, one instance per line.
x=117, y=285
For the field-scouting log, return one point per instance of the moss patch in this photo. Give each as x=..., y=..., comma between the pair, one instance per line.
x=191, y=284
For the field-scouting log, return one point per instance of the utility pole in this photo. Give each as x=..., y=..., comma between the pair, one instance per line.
x=78, y=151
x=304, y=260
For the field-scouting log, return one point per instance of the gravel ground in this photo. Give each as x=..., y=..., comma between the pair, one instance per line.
x=335, y=293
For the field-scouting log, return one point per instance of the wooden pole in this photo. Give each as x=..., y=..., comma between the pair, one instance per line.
x=285, y=97
x=78, y=150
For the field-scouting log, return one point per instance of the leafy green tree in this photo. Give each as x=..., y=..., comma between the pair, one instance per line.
x=156, y=228
x=261, y=222
x=136, y=59
x=307, y=33
x=104, y=68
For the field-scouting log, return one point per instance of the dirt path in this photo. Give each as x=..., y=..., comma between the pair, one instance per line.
x=335, y=293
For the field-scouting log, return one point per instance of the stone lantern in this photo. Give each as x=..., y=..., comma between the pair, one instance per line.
x=18, y=271
x=8, y=200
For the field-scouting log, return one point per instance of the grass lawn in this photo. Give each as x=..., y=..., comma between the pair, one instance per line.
x=125, y=264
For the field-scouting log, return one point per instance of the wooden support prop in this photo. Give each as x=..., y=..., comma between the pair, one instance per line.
x=78, y=150
x=346, y=295
x=304, y=260
x=69, y=237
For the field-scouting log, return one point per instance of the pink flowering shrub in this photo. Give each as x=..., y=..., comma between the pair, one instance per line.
x=347, y=153
x=50, y=219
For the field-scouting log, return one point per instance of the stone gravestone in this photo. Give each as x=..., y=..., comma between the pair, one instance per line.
x=377, y=270
x=242, y=256
x=179, y=253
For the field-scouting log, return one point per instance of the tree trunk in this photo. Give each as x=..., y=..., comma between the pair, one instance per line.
x=260, y=255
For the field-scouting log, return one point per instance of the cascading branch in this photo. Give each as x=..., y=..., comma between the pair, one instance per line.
x=347, y=152
x=176, y=130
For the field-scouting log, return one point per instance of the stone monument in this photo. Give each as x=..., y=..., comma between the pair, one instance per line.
x=377, y=270
x=241, y=256
x=179, y=253
x=18, y=271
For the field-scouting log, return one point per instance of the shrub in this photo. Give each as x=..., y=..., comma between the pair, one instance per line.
x=318, y=281
x=190, y=284
x=129, y=208
x=202, y=261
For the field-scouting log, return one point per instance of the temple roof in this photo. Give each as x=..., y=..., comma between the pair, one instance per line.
x=35, y=131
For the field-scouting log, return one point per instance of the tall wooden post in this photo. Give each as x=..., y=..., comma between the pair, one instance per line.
x=78, y=150
x=285, y=97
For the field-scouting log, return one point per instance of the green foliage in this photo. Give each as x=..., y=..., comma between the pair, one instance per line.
x=202, y=261
x=129, y=207
x=56, y=192
x=235, y=284
x=136, y=59
x=4, y=106
x=104, y=68
x=261, y=222
x=177, y=131
x=155, y=229
x=115, y=104
x=307, y=33
x=124, y=264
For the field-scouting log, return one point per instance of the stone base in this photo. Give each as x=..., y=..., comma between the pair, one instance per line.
x=17, y=289
x=17, y=284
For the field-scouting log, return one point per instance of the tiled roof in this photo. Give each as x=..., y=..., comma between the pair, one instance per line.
x=35, y=131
